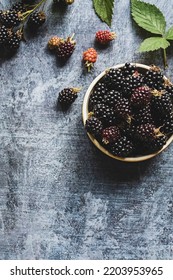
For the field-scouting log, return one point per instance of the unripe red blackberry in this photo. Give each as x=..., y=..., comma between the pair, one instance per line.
x=37, y=19
x=90, y=57
x=123, y=147
x=141, y=96
x=66, y=48
x=110, y=134
x=67, y=96
x=105, y=36
x=94, y=126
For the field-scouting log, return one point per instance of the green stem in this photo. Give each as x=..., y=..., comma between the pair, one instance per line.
x=26, y=14
x=165, y=59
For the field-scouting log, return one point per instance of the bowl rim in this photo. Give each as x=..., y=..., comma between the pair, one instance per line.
x=85, y=116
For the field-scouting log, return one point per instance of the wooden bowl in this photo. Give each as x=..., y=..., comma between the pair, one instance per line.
x=142, y=68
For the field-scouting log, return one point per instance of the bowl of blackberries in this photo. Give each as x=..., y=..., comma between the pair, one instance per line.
x=128, y=112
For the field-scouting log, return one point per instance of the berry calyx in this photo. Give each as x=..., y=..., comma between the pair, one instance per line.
x=67, y=96
x=90, y=57
x=105, y=36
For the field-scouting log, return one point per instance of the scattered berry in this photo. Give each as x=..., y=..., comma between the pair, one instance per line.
x=54, y=42
x=67, y=96
x=105, y=36
x=65, y=48
x=90, y=57
x=37, y=19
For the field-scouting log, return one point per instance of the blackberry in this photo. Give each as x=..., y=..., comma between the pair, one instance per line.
x=123, y=110
x=94, y=126
x=130, y=83
x=142, y=115
x=112, y=97
x=37, y=19
x=97, y=96
x=147, y=132
x=13, y=41
x=161, y=103
x=10, y=18
x=167, y=126
x=66, y=48
x=114, y=78
x=128, y=69
x=156, y=144
x=110, y=134
x=4, y=33
x=105, y=114
x=67, y=96
x=123, y=147
x=169, y=89
x=141, y=97
x=154, y=78
x=18, y=7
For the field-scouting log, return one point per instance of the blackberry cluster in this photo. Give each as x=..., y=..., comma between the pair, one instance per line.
x=13, y=20
x=132, y=111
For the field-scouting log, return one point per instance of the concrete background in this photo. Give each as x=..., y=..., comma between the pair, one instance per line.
x=60, y=198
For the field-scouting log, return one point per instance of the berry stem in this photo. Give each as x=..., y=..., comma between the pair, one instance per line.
x=27, y=13
x=165, y=59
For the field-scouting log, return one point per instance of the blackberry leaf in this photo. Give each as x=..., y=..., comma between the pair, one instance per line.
x=148, y=16
x=169, y=34
x=153, y=43
x=104, y=9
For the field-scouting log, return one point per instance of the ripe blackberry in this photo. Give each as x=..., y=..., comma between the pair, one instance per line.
x=37, y=19
x=123, y=147
x=161, y=103
x=128, y=69
x=97, y=96
x=147, y=132
x=67, y=96
x=105, y=114
x=141, y=96
x=4, y=33
x=169, y=89
x=156, y=144
x=105, y=36
x=130, y=83
x=13, y=41
x=10, y=18
x=167, y=126
x=110, y=134
x=112, y=97
x=123, y=110
x=154, y=78
x=19, y=7
x=66, y=48
x=114, y=78
x=94, y=126
x=142, y=115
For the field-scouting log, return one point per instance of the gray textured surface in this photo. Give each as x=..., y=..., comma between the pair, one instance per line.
x=60, y=198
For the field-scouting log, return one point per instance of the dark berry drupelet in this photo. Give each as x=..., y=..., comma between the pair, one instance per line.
x=105, y=114
x=167, y=125
x=97, y=96
x=94, y=126
x=66, y=48
x=10, y=18
x=128, y=69
x=142, y=115
x=4, y=34
x=161, y=103
x=114, y=78
x=147, y=132
x=110, y=134
x=141, y=97
x=112, y=97
x=37, y=19
x=169, y=89
x=19, y=7
x=156, y=144
x=123, y=147
x=67, y=96
x=130, y=83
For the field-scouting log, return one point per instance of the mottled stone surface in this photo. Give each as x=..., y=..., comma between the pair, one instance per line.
x=60, y=198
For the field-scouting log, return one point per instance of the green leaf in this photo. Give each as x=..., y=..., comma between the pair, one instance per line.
x=169, y=34
x=148, y=17
x=153, y=43
x=104, y=9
